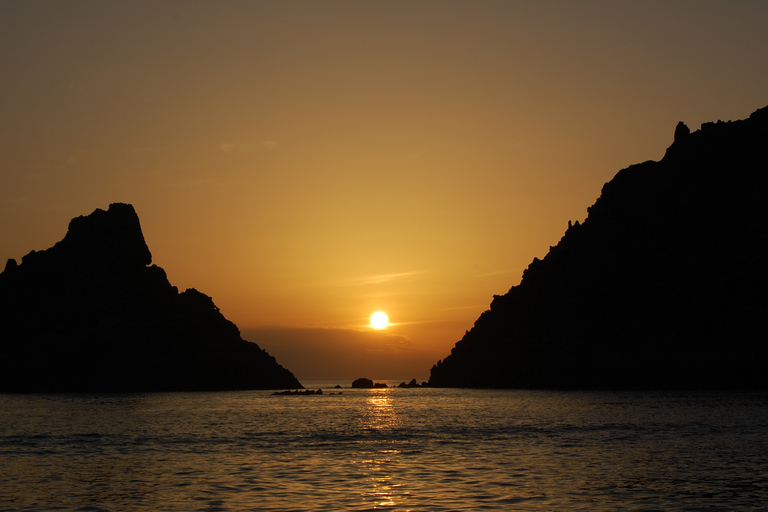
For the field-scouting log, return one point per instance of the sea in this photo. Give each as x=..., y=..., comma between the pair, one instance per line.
x=385, y=449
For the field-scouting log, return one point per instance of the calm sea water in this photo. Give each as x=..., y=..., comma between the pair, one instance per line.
x=385, y=449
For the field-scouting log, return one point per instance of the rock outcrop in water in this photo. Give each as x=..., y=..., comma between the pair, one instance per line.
x=92, y=314
x=663, y=286
x=364, y=383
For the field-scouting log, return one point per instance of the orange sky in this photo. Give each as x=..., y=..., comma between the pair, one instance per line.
x=308, y=163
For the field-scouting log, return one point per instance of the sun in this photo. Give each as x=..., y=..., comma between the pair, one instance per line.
x=379, y=320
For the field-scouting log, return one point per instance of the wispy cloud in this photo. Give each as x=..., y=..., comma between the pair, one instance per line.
x=371, y=280
x=387, y=294
x=228, y=146
x=457, y=308
x=384, y=278
x=493, y=274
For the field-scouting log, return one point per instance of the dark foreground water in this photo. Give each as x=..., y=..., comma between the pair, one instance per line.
x=391, y=449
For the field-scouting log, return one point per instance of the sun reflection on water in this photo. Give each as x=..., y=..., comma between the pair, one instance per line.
x=379, y=417
x=379, y=412
x=426, y=449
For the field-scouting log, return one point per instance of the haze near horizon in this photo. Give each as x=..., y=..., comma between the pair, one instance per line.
x=309, y=164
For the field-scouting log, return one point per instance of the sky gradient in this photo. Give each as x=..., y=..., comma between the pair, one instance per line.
x=306, y=164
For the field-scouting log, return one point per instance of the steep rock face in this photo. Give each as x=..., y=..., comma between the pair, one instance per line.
x=662, y=286
x=90, y=314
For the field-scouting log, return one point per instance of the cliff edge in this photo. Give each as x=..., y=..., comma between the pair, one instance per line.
x=92, y=314
x=662, y=286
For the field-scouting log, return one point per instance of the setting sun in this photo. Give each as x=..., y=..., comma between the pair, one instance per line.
x=379, y=320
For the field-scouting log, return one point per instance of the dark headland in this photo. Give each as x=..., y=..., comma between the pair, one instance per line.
x=663, y=286
x=92, y=314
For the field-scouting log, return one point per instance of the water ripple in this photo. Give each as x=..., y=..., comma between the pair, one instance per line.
x=419, y=449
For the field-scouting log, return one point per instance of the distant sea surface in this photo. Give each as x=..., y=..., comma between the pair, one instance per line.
x=385, y=449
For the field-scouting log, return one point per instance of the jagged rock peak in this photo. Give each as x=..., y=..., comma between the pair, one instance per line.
x=681, y=131
x=114, y=234
x=91, y=314
x=662, y=286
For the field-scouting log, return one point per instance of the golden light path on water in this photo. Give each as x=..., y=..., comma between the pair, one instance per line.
x=380, y=414
x=436, y=449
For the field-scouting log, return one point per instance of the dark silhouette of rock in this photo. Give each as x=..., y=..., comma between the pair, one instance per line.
x=681, y=132
x=362, y=383
x=92, y=314
x=302, y=392
x=662, y=286
x=411, y=384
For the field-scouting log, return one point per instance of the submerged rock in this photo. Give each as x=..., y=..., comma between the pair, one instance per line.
x=92, y=314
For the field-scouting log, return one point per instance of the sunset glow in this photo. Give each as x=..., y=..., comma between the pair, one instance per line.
x=307, y=163
x=379, y=320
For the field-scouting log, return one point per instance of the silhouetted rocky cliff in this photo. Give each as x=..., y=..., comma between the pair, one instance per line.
x=91, y=314
x=663, y=286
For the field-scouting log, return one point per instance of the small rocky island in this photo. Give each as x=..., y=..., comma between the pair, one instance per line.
x=662, y=286
x=92, y=314
x=365, y=383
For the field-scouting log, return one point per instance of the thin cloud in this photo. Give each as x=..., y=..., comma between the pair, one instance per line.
x=228, y=146
x=493, y=274
x=456, y=308
x=383, y=278
x=398, y=293
x=370, y=280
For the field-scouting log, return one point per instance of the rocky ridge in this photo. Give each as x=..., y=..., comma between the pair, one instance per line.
x=662, y=286
x=92, y=314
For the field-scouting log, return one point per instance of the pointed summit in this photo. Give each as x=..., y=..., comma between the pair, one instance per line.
x=112, y=236
x=92, y=314
x=681, y=131
x=104, y=241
